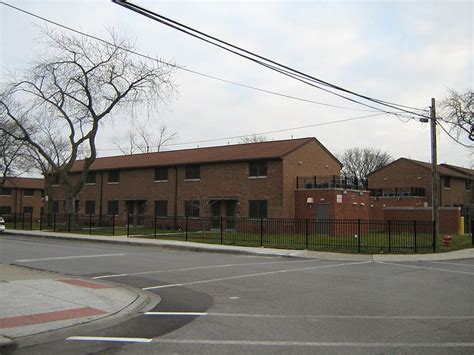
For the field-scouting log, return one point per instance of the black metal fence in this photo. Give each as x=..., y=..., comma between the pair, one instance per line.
x=330, y=182
x=336, y=235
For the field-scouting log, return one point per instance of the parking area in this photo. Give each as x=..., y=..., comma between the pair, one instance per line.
x=219, y=303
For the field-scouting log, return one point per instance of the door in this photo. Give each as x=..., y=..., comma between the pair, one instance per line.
x=215, y=214
x=322, y=219
x=230, y=214
x=140, y=204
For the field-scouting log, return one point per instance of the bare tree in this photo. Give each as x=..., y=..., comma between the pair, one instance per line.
x=11, y=154
x=360, y=162
x=59, y=104
x=253, y=139
x=144, y=139
x=458, y=111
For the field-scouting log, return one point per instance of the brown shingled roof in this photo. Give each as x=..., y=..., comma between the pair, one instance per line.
x=236, y=152
x=443, y=169
x=24, y=183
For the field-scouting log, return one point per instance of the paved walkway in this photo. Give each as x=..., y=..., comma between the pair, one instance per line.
x=35, y=303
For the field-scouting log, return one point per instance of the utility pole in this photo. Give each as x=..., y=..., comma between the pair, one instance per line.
x=434, y=169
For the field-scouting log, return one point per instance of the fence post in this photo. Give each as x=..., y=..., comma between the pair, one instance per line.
x=434, y=237
x=128, y=225
x=306, y=232
x=68, y=222
x=222, y=229
x=154, y=227
x=414, y=236
x=472, y=232
x=54, y=222
x=23, y=221
x=389, y=236
x=113, y=224
x=187, y=217
x=358, y=235
x=14, y=220
x=31, y=221
x=41, y=221
x=261, y=231
x=90, y=223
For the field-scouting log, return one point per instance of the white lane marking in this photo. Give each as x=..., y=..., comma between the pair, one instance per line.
x=425, y=267
x=113, y=339
x=68, y=257
x=459, y=264
x=202, y=267
x=279, y=316
x=175, y=313
x=314, y=343
x=252, y=275
x=233, y=297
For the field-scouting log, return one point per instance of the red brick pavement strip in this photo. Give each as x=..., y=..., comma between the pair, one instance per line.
x=83, y=283
x=38, y=318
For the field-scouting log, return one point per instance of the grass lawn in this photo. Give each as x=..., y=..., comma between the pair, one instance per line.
x=370, y=243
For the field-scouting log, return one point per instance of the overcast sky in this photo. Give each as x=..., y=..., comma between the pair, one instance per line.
x=403, y=52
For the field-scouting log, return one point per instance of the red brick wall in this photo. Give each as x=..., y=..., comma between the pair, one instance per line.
x=448, y=217
x=17, y=201
x=353, y=205
x=377, y=205
x=456, y=194
x=402, y=173
x=309, y=160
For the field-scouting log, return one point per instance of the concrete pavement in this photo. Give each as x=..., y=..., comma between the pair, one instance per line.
x=38, y=306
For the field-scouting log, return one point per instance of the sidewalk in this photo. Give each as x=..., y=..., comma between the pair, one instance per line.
x=233, y=249
x=36, y=305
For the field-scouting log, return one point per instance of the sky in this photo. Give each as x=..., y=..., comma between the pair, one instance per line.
x=405, y=52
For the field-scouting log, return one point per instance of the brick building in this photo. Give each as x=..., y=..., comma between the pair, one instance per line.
x=407, y=183
x=244, y=180
x=22, y=195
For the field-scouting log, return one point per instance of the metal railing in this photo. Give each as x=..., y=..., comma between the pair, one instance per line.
x=399, y=192
x=356, y=236
x=330, y=182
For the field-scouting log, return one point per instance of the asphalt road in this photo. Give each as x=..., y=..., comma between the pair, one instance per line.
x=250, y=304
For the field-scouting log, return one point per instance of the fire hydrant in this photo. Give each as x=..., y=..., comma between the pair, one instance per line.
x=447, y=240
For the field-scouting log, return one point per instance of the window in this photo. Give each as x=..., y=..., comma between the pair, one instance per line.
x=55, y=206
x=5, y=210
x=257, y=208
x=5, y=191
x=55, y=179
x=191, y=208
x=90, y=178
x=28, y=210
x=28, y=192
x=90, y=207
x=258, y=168
x=161, y=208
x=468, y=184
x=161, y=174
x=112, y=208
x=447, y=182
x=193, y=172
x=114, y=176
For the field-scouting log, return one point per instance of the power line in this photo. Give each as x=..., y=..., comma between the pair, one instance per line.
x=261, y=133
x=224, y=45
x=177, y=66
x=454, y=139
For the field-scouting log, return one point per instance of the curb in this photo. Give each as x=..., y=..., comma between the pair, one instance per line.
x=7, y=345
x=255, y=251
x=143, y=302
